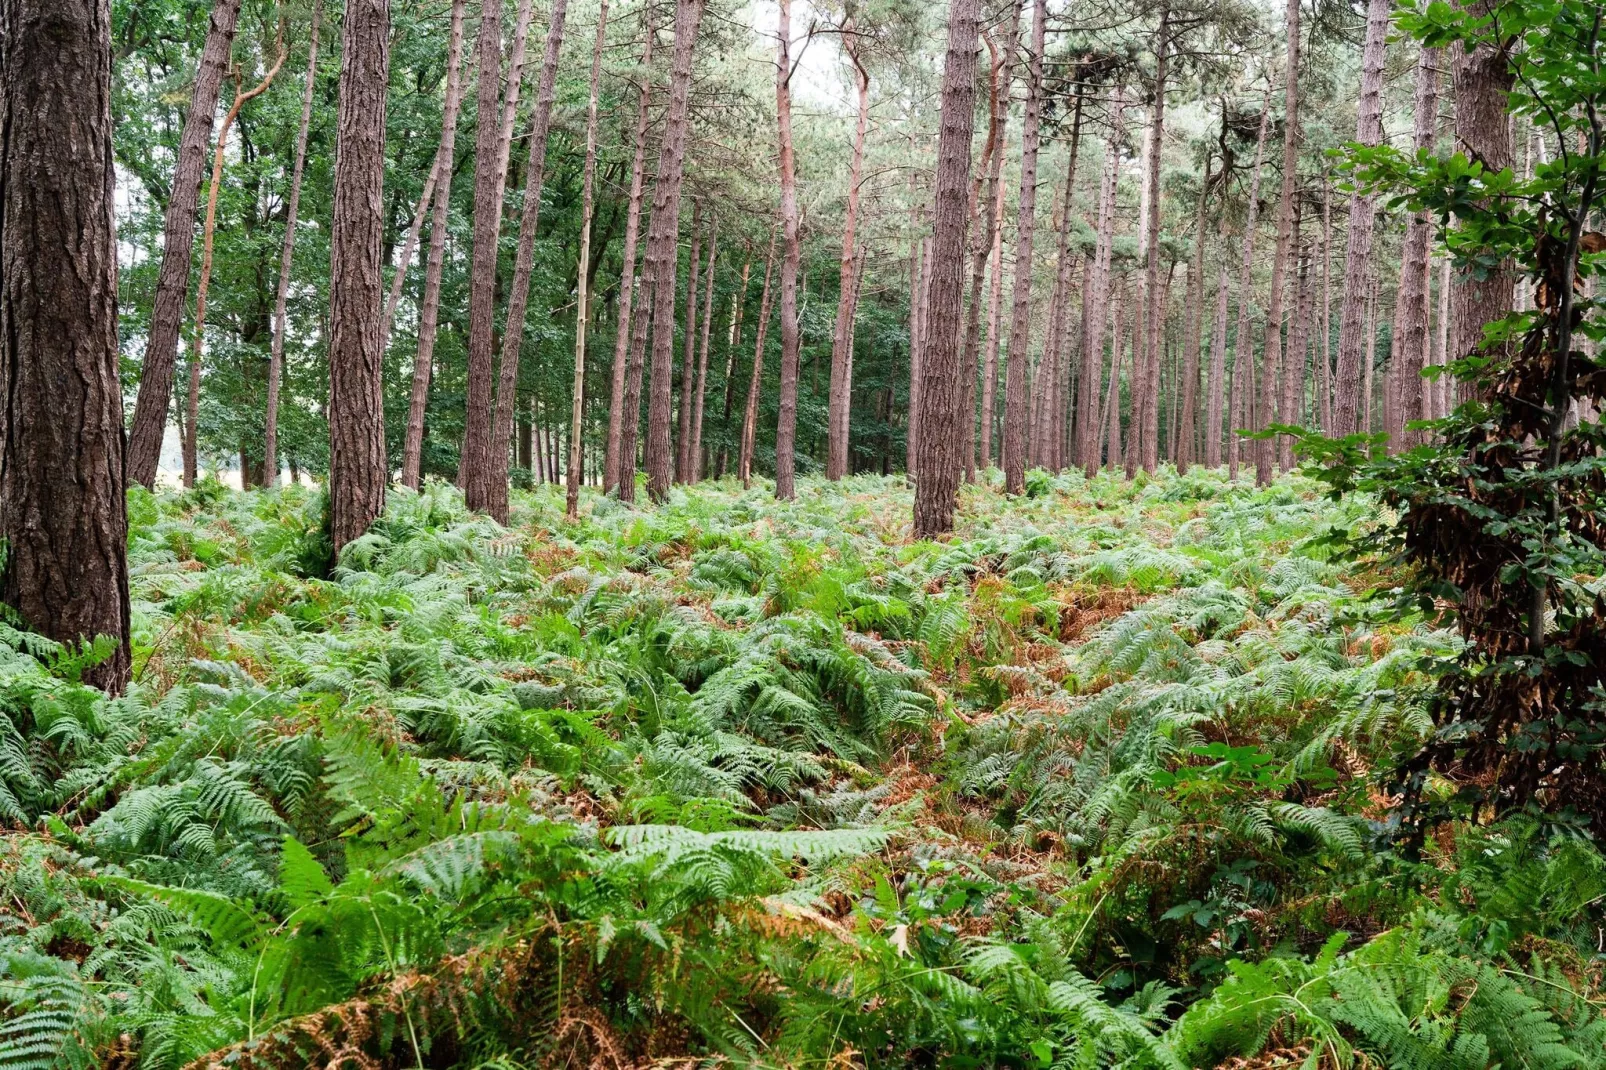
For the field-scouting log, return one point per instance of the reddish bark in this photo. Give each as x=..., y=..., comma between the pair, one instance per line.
x=1265, y=449
x=358, y=473
x=178, y=241
x=523, y=267
x=493, y=143
x=1243, y=357
x=1362, y=219
x=1089, y=425
x=63, y=511
x=1015, y=402
x=662, y=261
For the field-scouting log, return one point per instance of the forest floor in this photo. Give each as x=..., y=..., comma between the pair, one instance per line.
x=735, y=781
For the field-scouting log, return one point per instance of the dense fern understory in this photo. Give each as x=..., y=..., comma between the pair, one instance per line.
x=739, y=782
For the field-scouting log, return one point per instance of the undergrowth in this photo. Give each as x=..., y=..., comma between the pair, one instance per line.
x=733, y=781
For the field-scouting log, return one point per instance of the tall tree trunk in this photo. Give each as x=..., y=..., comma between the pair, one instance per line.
x=791, y=255
x=178, y=239
x=1325, y=381
x=270, y=447
x=1415, y=400
x=398, y=278
x=1088, y=425
x=1362, y=220
x=496, y=502
x=744, y=459
x=987, y=242
x=492, y=146
x=1146, y=407
x=841, y=395
x=1271, y=361
x=1293, y=378
x=695, y=469
x=358, y=472
x=1243, y=355
x=995, y=303
x=1482, y=81
x=688, y=361
x=1187, y=419
x=936, y=464
x=917, y=347
x=203, y=286
x=63, y=512
x=1112, y=398
x=435, y=259
x=582, y=276
x=1052, y=391
x=627, y=273
x=662, y=261
x=732, y=340
x=1441, y=342
x=1015, y=401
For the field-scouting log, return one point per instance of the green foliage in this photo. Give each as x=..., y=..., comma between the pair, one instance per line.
x=1087, y=786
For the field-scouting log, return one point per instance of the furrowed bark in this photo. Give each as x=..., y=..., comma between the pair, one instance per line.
x=937, y=460
x=1015, y=401
x=617, y=414
x=63, y=508
x=1362, y=221
x=358, y=472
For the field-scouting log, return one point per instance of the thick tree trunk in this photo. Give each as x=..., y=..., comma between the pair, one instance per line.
x=936, y=464
x=492, y=146
x=270, y=447
x=582, y=276
x=1441, y=341
x=1362, y=220
x=1088, y=425
x=178, y=239
x=841, y=394
x=617, y=415
x=791, y=255
x=1482, y=82
x=1271, y=361
x=1015, y=401
x=434, y=262
x=496, y=502
x=1243, y=355
x=358, y=473
x=744, y=458
x=688, y=360
x=662, y=261
x=1187, y=419
x=695, y=466
x=63, y=513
